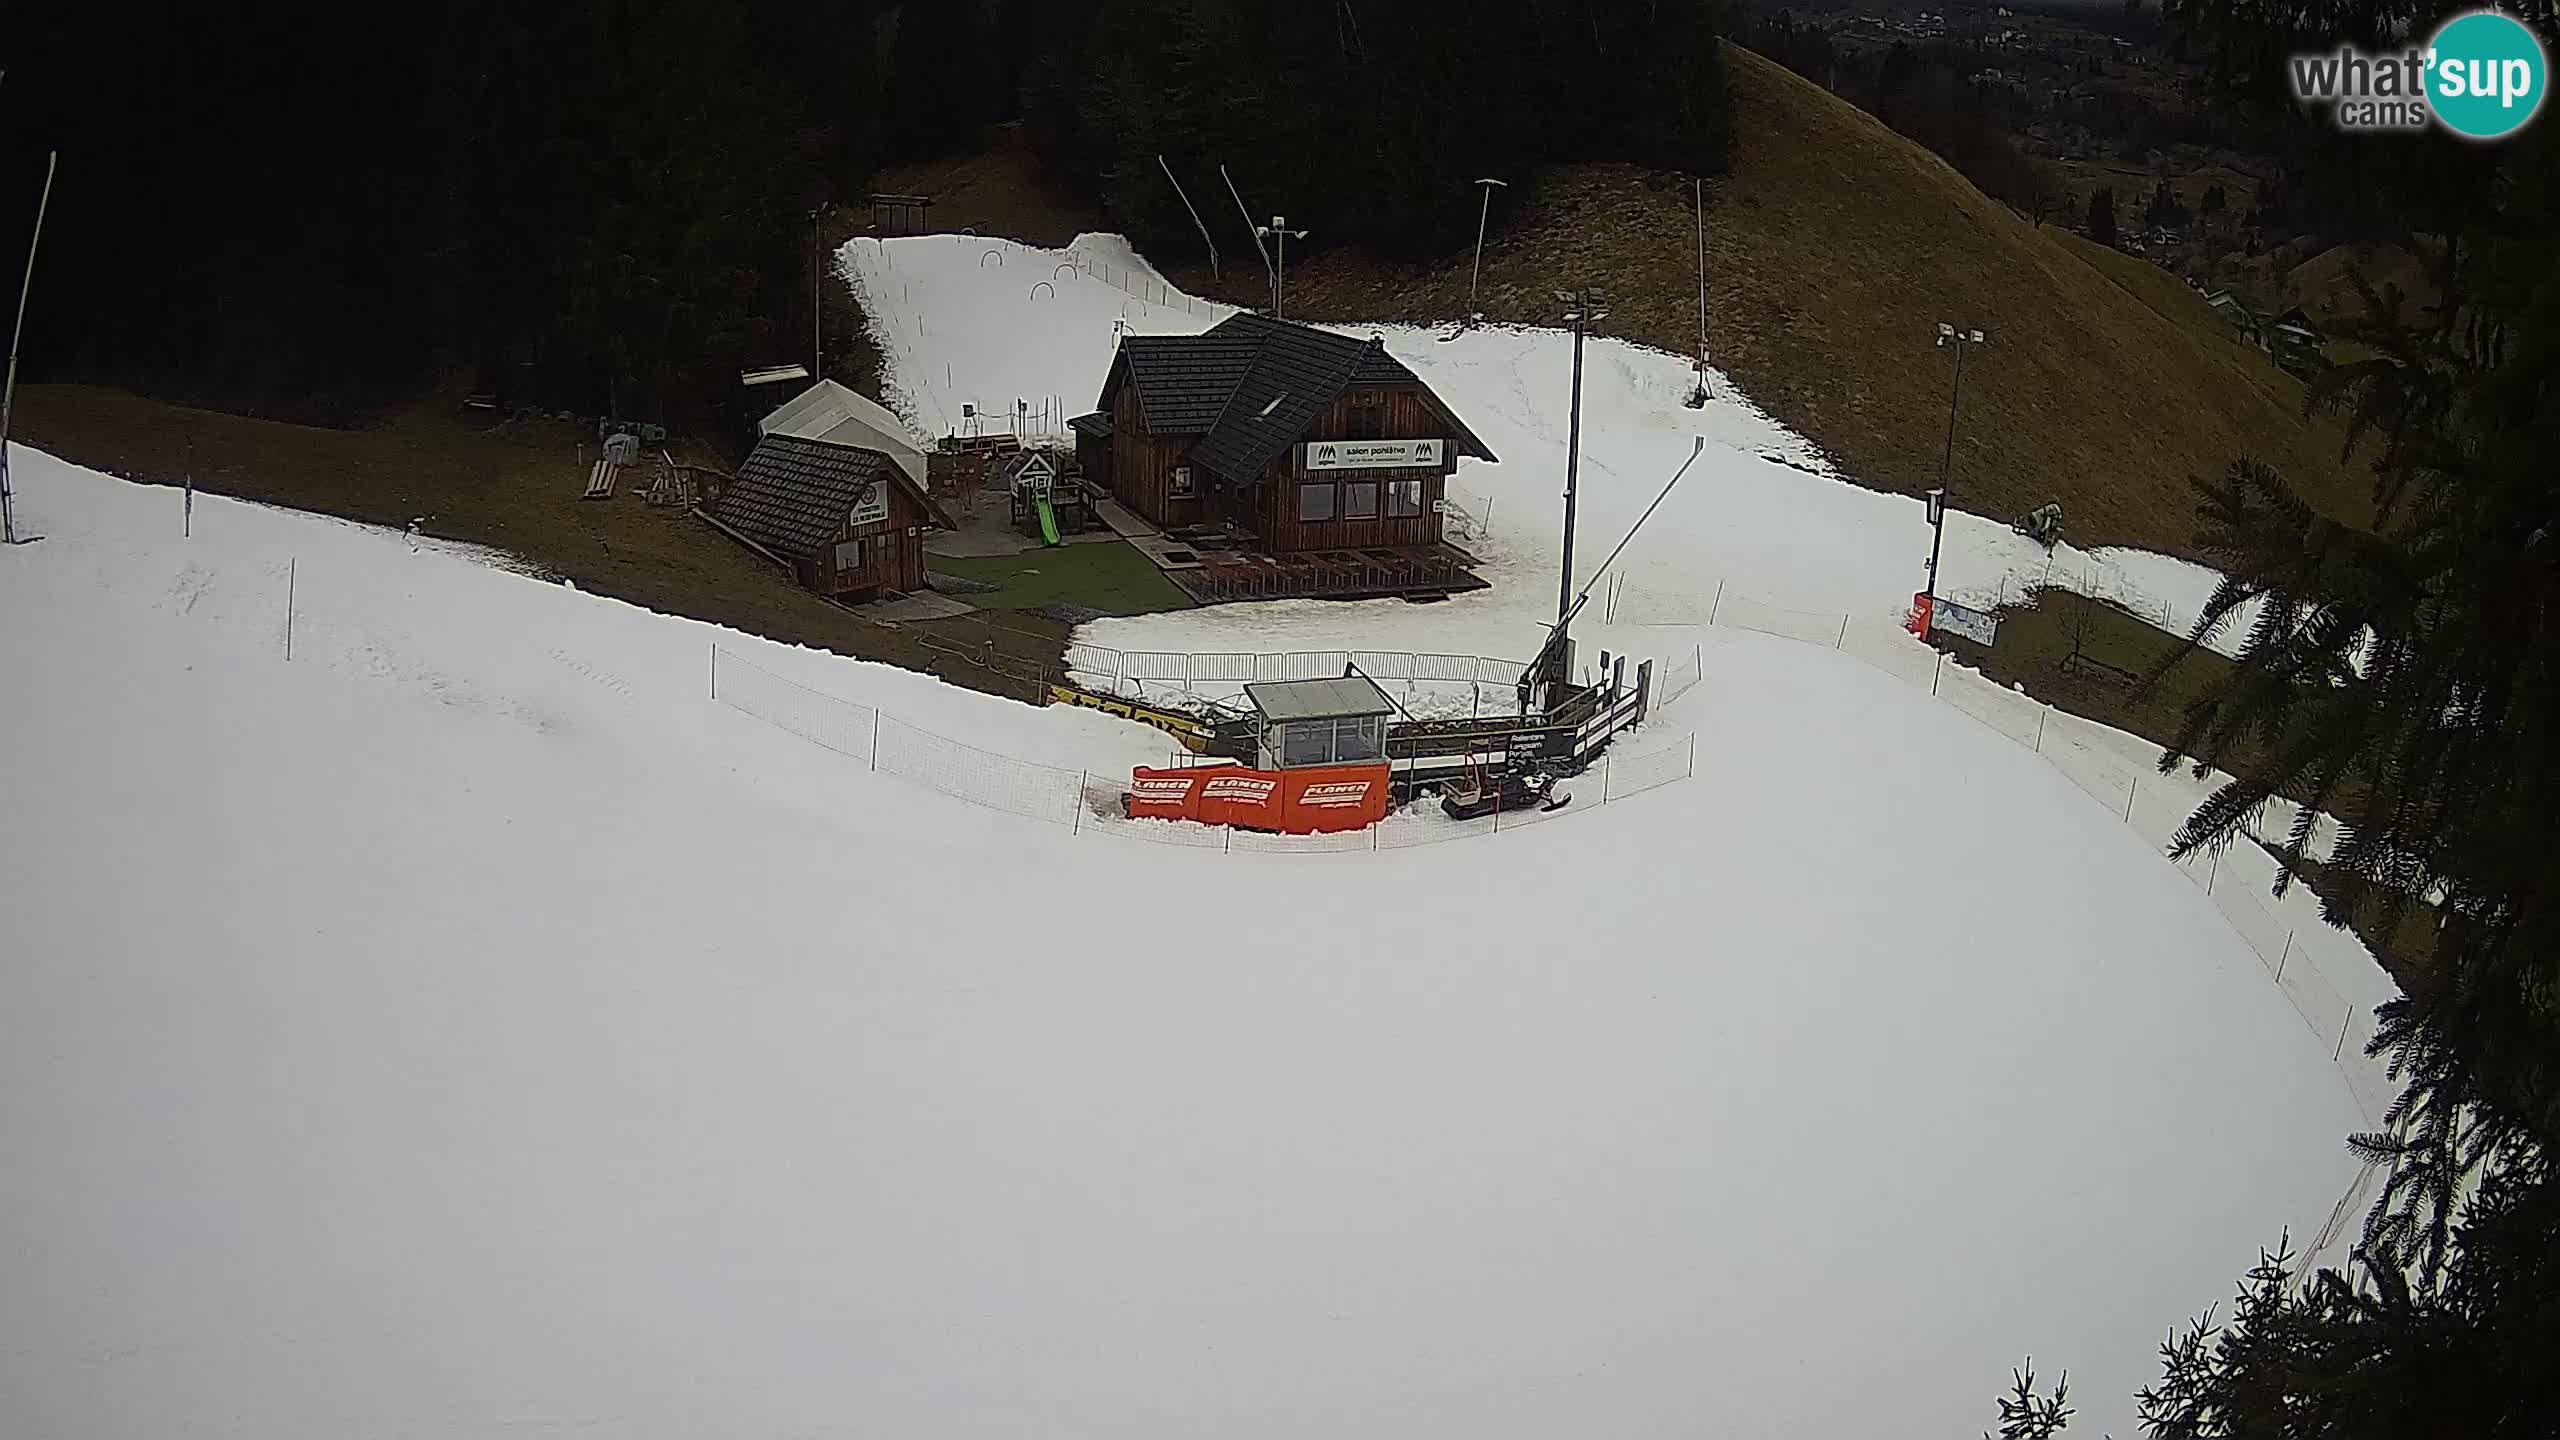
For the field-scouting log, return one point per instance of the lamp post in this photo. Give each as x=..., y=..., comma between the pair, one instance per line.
x=1484, y=212
x=1949, y=337
x=1280, y=232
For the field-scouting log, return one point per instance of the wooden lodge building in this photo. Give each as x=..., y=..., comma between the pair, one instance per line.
x=1295, y=461
x=848, y=520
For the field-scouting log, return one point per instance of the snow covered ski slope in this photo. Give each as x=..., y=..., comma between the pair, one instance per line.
x=467, y=1027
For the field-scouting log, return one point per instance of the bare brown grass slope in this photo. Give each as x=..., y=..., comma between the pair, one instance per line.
x=1834, y=248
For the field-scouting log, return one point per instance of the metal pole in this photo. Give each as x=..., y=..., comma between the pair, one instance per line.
x=1214, y=272
x=9, y=392
x=1280, y=274
x=1573, y=470
x=1483, y=213
x=1572, y=479
x=1937, y=539
x=817, y=349
x=1947, y=462
x=1700, y=190
x=1475, y=273
x=1250, y=228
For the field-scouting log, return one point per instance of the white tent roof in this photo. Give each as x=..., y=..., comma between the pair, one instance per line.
x=830, y=412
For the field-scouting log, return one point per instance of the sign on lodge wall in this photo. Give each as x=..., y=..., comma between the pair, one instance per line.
x=1372, y=454
x=873, y=506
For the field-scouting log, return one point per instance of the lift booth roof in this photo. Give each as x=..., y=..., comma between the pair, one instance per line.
x=1349, y=697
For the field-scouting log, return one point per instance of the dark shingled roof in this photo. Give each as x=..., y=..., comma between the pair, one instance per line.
x=1183, y=380
x=1250, y=386
x=793, y=494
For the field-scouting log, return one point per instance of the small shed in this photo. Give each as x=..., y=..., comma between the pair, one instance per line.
x=845, y=518
x=1340, y=721
x=841, y=416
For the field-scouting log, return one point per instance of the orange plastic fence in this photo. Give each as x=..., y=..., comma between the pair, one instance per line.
x=1295, y=802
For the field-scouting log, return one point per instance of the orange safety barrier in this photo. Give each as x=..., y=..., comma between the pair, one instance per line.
x=1296, y=802
x=1332, y=797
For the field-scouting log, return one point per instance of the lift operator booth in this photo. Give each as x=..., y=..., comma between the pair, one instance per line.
x=1322, y=749
x=1321, y=722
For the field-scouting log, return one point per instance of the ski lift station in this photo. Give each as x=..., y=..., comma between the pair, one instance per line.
x=1321, y=722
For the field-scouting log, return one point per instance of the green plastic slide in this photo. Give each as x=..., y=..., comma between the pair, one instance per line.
x=1048, y=521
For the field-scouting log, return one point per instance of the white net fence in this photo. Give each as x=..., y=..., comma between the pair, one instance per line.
x=2155, y=807
x=1096, y=804
x=2093, y=758
x=980, y=777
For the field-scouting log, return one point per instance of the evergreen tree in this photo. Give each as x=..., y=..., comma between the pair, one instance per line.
x=2164, y=209
x=2401, y=675
x=942, y=79
x=2102, y=215
x=2027, y=1415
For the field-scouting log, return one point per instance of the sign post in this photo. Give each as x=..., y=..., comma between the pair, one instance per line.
x=1937, y=539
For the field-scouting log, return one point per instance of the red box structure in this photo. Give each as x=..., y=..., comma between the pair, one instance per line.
x=1306, y=801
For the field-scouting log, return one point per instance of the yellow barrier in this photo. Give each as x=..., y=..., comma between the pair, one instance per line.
x=1193, y=735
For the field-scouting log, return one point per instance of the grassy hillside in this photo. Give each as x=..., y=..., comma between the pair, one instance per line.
x=514, y=488
x=1833, y=250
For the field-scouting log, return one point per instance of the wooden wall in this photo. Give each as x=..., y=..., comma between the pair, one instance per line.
x=892, y=559
x=1142, y=467
x=1142, y=470
x=1406, y=417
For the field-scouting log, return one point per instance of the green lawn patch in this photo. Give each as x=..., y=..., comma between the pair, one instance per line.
x=1113, y=578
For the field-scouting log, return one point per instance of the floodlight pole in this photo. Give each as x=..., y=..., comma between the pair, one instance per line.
x=9, y=390
x=1281, y=234
x=1961, y=340
x=1484, y=212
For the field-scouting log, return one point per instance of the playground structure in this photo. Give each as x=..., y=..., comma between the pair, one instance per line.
x=1044, y=501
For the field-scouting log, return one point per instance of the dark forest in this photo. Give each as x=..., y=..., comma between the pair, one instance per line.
x=606, y=205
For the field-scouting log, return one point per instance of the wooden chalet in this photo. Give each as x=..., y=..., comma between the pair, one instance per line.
x=847, y=519
x=1307, y=463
